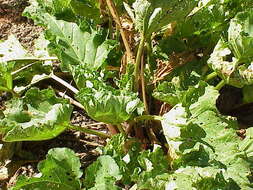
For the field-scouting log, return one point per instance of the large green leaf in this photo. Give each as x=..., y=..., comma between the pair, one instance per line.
x=204, y=143
x=235, y=74
x=11, y=50
x=106, y=104
x=151, y=15
x=240, y=36
x=102, y=174
x=232, y=59
x=75, y=47
x=69, y=42
x=147, y=169
x=39, y=115
x=60, y=171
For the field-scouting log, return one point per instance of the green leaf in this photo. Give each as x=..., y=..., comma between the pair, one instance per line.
x=232, y=59
x=200, y=178
x=70, y=40
x=151, y=15
x=247, y=144
x=240, y=36
x=39, y=115
x=125, y=152
x=102, y=174
x=97, y=51
x=19, y=65
x=206, y=101
x=106, y=104
x=11, y=50
x=35, y=11
x=247, y=94
x=88, y=9
x=177, y=90
x=202, y=138
x=153, y=166
x=60, y=171
x=126, y=80
x=75, y=47
x=148, y=169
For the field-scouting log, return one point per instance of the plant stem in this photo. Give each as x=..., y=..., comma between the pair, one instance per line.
x=23, y=68
x=220, y=85
x=116, y=18
x=71, y=100
x=143, y=87
x=211, y=76
x=148, y=117
x=138, y=62
x=121, y=130
x=149, y=52
x=112, y=129
x=36, y=59
x=64, y=83
x=89, y=131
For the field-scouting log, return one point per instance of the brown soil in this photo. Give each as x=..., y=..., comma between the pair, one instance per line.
x=12, y=22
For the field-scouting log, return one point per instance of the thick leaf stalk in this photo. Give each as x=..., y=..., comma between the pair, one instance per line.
x=89, y=131
x=138, y=63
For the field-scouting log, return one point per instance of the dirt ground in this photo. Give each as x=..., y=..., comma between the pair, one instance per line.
x=12, y=22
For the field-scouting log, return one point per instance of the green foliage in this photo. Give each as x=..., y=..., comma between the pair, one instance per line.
x=60, y=171
x=151, y=16
x=75, y=47
x=231, y=58
x=68, y=10
x=148, y=169
x=106, y=104
x=39, y=115
x=177, y=90
x=204, y=151
x=14, y=58
x=102, y=174
x=204, y=146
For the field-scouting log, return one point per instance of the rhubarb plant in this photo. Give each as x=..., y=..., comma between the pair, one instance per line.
x=149, y=69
